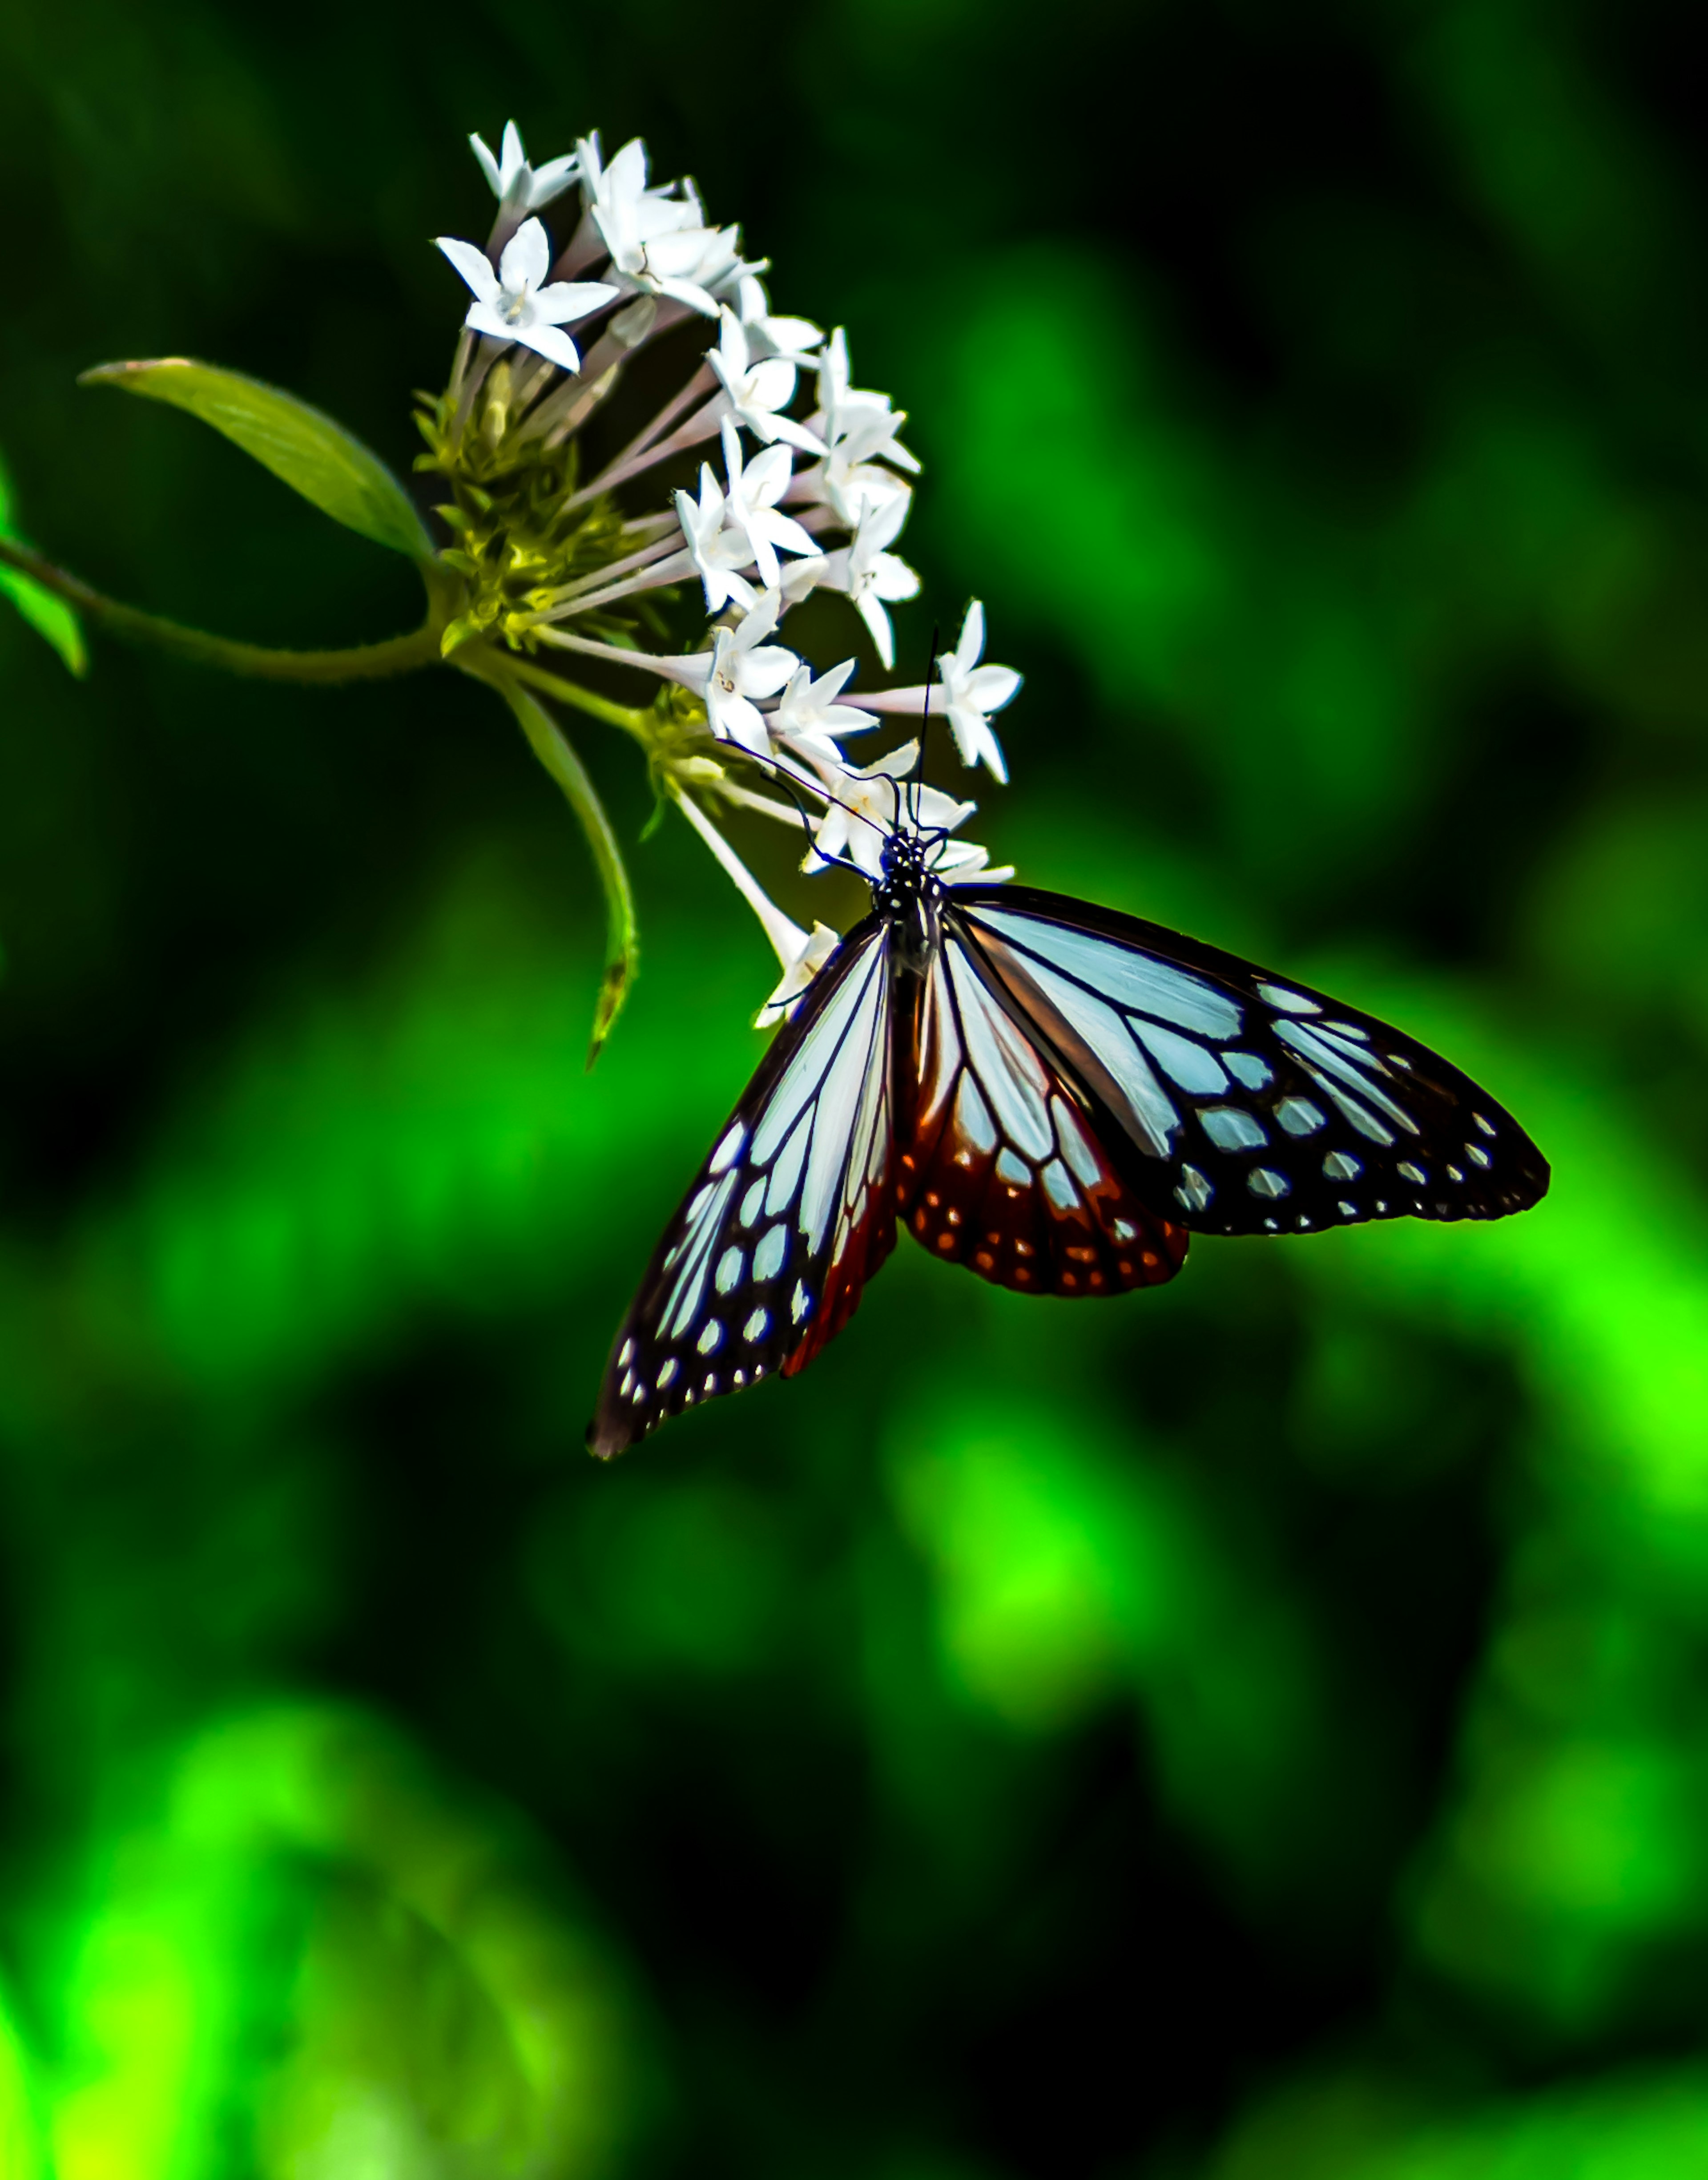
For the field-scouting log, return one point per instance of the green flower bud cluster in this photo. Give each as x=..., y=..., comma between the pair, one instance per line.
x=522, y=530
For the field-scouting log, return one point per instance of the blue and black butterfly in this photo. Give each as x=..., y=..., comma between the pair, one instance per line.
x=1056, y=1096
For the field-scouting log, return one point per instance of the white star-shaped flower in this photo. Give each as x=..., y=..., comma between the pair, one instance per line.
x=717, y=552
x=757, y=391
x=519, y=188
x=627, y=213
x=810, y=716
x=971, y=692
x=873, y=577
x=658, y=239
x=864, y=812
x=857, y=427
x=693, y=266
x=792, y=338
x=514, y=303
x=754, y=488
x=743, y=666
x=816, y=951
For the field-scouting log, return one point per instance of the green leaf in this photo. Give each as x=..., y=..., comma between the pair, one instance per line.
x=311, y=453
x=50, y=617
x=548, y=742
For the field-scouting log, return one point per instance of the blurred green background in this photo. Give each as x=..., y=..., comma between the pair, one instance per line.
x=1255, y=1731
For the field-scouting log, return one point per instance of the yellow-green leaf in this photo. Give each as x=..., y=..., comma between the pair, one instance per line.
x=548, y=742
x=51, y=617
x=307, y=450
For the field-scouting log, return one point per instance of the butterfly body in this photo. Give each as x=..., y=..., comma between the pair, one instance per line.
x=1054, y=1096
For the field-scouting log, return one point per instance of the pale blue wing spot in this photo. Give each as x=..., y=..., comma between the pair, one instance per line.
x=1264, y=1181
x=1247, y=1068
x=768, y=1257
x=1058, y=1186
x=1231, y=1128
x=1361, y=1117
x=785, y=1174
x=1290, y=1003
x=1082, y=1159
x=1299, y=1117
x=973, y=1121
x=1180, y=1059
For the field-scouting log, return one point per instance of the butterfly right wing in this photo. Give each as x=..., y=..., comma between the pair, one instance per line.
x=1236, y=1100
x=1001, y=1166
x=766, y=1258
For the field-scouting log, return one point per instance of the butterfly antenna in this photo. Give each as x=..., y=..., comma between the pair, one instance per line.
x=918, y=779
x=787, y=782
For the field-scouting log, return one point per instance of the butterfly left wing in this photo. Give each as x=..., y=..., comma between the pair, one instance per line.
x=766, y=1258
x=1000, y=1166
x=1238, y=1101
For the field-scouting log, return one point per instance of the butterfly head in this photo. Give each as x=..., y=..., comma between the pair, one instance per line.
x=907, y=892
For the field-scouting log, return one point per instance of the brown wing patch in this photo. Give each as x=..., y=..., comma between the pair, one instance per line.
x=1033, y=1205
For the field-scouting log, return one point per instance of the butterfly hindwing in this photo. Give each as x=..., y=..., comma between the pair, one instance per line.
x=789, y=1216
x=1237, y=1101
x=1000, y=1168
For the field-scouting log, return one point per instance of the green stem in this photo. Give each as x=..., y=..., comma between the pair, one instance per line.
x=548, y=742
x=367, y=661
x=638, y=723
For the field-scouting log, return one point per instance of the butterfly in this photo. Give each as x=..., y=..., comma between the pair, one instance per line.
x=1056, y=1096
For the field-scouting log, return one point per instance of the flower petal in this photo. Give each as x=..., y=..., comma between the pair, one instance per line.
x=551, y=180
x=551, y=341
x=475, y=266
x=970, y=648
x=489, y=165
x=878, y=622
x=990, y=687
x=566, y=300
x=527, y=257
x=483, y=318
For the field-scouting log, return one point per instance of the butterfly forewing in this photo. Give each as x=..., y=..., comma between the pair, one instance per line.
x=1000, y=1168
x=1235, y=1101
x=790, y=1215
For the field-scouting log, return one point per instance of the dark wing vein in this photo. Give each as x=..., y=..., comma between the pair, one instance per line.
x=1236, y=1100
x=765, y=1257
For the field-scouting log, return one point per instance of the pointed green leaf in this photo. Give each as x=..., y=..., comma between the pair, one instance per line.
x=50, y=617
x=311, y=453
x=548, y=742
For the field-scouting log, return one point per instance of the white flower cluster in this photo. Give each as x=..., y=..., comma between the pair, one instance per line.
x=817, y=504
